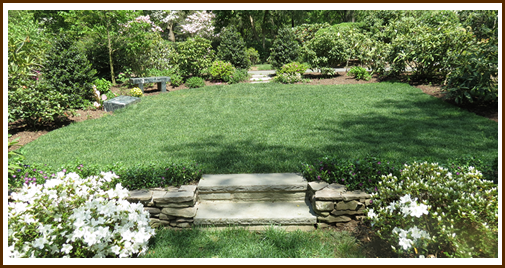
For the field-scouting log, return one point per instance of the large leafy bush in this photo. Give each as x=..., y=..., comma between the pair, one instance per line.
x=221, y=70
x=68, y=71
x=233, y=49
x=474, y=77
x=193, y=56
x=37, y=104
x=70, y=216
x=285, y=48
x=457, y=210
x=327, y=49
x=27, y=46
x=290, y=73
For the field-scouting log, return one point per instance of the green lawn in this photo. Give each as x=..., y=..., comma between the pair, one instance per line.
x=262, y=67
x=240, y=243
x=246, y=128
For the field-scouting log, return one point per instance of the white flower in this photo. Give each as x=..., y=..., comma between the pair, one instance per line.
x=421, y=256
x=404, y=199
x=418, y=210
x=66, y=248
x=371, y=214
x=405, y=243
x=52, y=183
x=39, y=242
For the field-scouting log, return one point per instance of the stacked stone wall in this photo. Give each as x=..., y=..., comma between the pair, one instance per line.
x=334, y=205
x=171, y=207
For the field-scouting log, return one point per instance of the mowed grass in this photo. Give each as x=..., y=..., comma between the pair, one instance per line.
x=240, y=243
x=260, y=128
x=263, y=67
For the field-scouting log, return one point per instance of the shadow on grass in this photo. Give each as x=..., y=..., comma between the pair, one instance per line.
x=419, y=129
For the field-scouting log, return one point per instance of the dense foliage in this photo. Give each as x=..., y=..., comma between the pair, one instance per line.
x=233, y=49
x=221, y=70
x=285, y=49
x=193, y=56
x=142, y=175
x=430, y=210
x=69, y=72
x=100, y=222
x=27, y=46
x=195, y=82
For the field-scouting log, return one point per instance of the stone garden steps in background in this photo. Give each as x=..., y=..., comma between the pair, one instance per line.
x=260, y=78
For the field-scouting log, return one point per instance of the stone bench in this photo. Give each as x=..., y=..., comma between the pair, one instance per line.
x=161, y=80
x=119, y=102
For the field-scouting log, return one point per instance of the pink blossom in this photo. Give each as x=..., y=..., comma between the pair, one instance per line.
x=104, y=97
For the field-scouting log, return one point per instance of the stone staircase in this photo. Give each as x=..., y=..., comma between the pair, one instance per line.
x=254, y=201
x=260, y=78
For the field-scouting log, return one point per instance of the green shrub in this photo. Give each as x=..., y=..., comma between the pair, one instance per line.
x=158, y=72
x=140, y=176
x=233, y=49
x=238, y=76
x=68, y=71
x=253, y=55
x=287, y=78
x=102, y=85
x=221, y=70
x=362, y=173
x=195, y=82
x=14, y=158
x=193, y=56
x=359, y=73
x=474, y=78
x=285, y=48
x=27, y=47
x=460, y=212
x=37, y=104
x=293, y=68
x=305, y=32
x=176, y=80
x=327, y=49
x=70, y=216
x=290, y=73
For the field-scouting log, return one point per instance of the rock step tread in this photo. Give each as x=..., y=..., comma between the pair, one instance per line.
x=262, y=182
x=224, y=213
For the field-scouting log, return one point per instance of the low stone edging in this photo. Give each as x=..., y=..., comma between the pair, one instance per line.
x=333, y=205
x=171, y=207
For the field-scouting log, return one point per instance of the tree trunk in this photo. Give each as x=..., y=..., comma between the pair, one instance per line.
x=171, y=35
x=254, y=28
x=110, y=55
x=263, y=27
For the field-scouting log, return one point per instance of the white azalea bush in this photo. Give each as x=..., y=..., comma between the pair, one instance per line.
x=74, y=217
x=429, y=210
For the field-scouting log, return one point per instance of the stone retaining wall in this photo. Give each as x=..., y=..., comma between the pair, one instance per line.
x=334, y=205
x=171, y=207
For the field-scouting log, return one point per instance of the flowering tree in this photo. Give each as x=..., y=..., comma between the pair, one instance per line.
x=199, y=24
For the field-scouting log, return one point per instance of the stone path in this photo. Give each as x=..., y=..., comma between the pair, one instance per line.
x=254, y=201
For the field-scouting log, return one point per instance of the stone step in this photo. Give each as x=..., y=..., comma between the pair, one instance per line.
x=252, y=183
x=260, y=79
x=292, y=215
x=260, y=76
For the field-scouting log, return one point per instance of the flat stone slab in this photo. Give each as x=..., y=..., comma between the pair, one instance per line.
x=266, y=182
x=119, y=102
x=222, y=213
x=254, y=196
x=317, y=185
